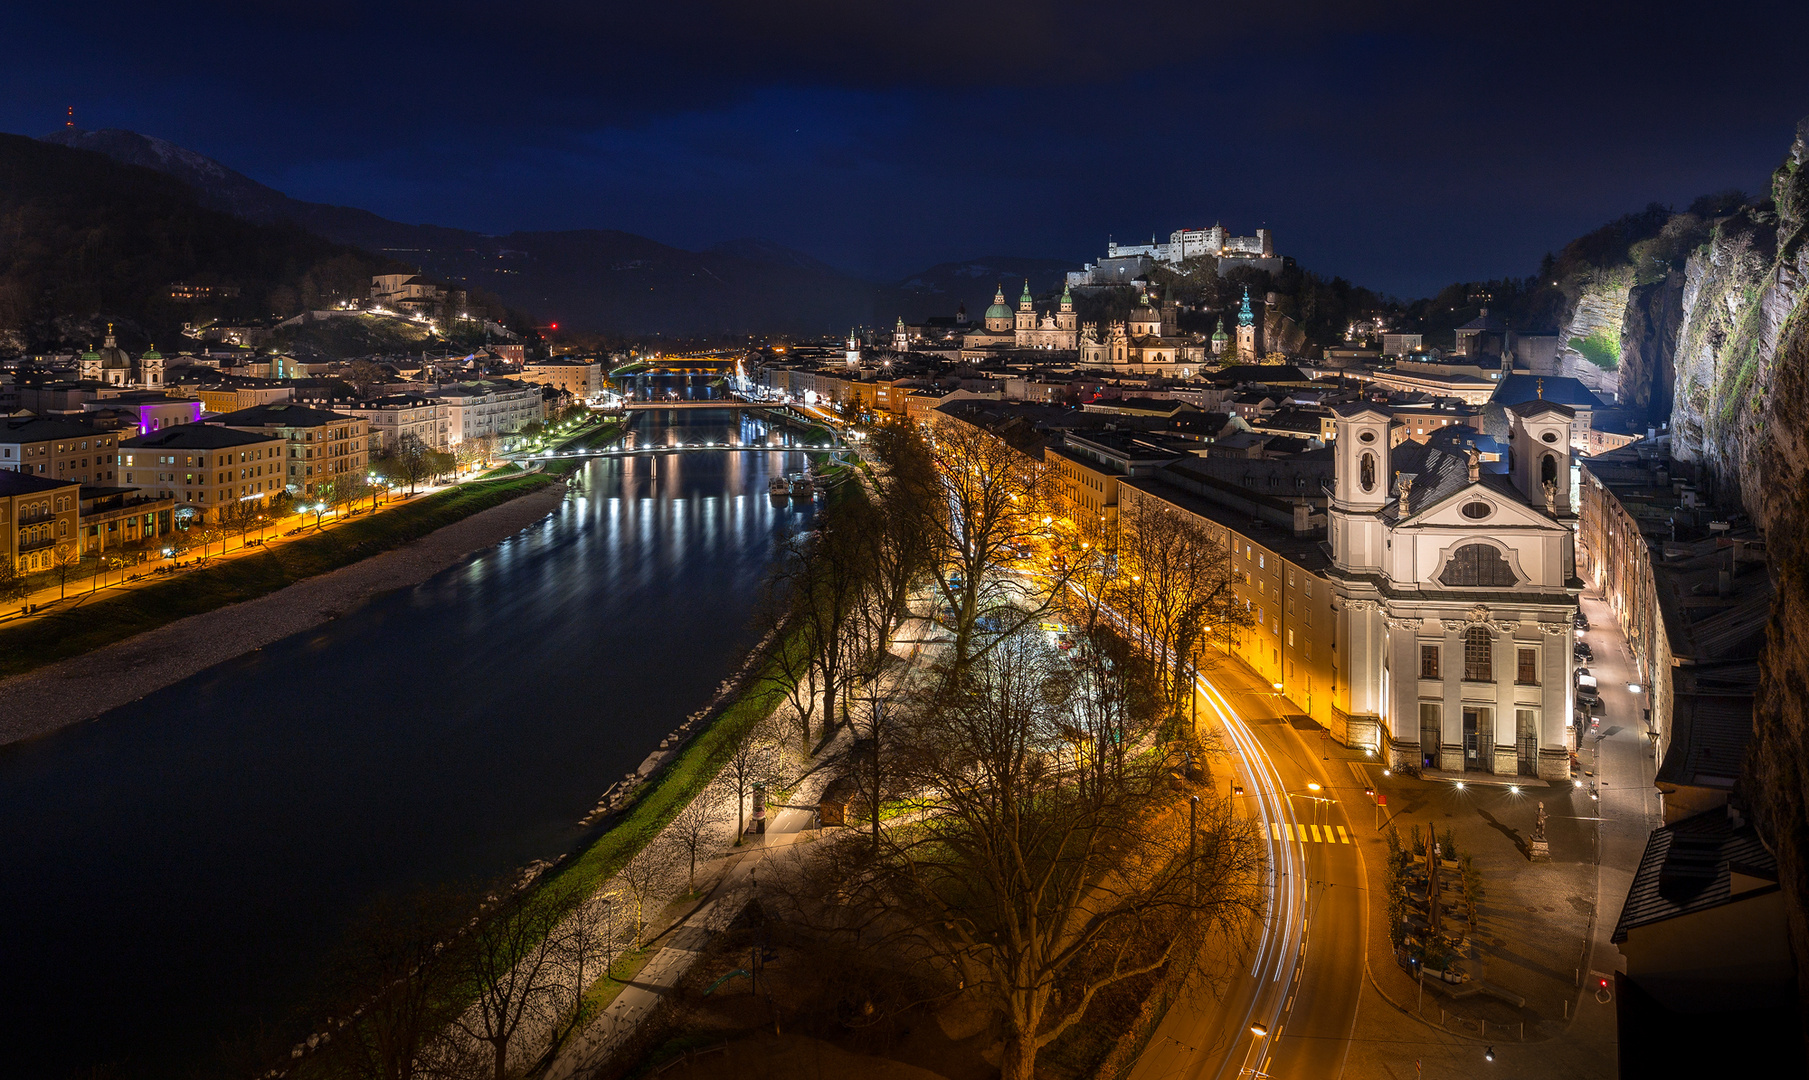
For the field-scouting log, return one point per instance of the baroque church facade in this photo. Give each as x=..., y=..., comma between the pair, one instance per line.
x=113, y=366
x=1147, y=343
x=1005, y=329
x=1456, y=589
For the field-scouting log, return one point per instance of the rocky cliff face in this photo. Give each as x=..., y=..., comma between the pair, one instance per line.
x=1726, y=350
x=1761, y=434
x=1649, y=332
x=1589, y=345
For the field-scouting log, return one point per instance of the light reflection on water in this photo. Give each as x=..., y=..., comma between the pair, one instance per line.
x=177, y=866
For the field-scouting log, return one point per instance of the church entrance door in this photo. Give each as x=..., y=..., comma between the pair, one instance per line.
x=1479, y=740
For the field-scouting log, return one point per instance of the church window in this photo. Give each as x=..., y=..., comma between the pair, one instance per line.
x=1366, y=472
x=1527, y=670
x=1548, y=469
x=1477, y=566
x=1477, y=510
x=1479, y=649
x=1429, y=661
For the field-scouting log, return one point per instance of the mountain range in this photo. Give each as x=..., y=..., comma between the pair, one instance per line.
x=597, y=279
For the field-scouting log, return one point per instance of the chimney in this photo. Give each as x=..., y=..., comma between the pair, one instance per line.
x=1303, y=514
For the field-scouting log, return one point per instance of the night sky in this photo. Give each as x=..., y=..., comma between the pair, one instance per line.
x=1402, y=148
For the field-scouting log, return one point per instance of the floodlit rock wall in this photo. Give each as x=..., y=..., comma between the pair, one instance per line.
x=1589, y=346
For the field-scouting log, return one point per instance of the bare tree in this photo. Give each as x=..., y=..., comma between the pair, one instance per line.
x=64, y=558
x=1174, y=579
x=693, y=829
x=826, y=577
x=641, y=877
x=392, y=978
x=753, y=758
x=790, y=662
x=513, y=959
x=1044, y=890
x=12, y=582
x=994, y=503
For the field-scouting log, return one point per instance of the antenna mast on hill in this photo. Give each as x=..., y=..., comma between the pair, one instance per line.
x=70, y=123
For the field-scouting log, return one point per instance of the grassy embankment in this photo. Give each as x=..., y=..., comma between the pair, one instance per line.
x=60, y=635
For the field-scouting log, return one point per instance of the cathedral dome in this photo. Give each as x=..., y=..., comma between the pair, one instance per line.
x=998, y=311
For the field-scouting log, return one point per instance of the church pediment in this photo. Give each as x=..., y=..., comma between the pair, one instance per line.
x=1481, y=506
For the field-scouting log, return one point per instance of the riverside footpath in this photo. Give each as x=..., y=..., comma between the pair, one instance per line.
x=1542, y=944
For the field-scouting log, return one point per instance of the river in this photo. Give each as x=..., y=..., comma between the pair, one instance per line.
x=172, y=873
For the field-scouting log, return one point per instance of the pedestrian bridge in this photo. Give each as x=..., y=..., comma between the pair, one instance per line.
x=647, y=406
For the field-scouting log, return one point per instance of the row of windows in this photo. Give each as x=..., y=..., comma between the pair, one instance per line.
x=1479, y=660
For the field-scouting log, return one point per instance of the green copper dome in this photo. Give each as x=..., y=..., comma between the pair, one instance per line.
x=1025, y=299
x=998, y=310
x=1218, y=333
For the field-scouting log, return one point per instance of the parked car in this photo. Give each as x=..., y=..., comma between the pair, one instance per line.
x=1583, y=652
x=1580, y=621
x=1589, y=699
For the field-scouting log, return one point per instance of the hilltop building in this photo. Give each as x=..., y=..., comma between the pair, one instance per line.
x=1124, y=263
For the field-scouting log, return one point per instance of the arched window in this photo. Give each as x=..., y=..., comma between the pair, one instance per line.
x=1548, y=469
x=1366, y=472
x=1479, y=649
x=1477, y=566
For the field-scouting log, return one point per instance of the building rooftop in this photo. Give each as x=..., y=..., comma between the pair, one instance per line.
x=194, y=437
x=39, y=429
x=278, y=414
x=1306, y=551
x=1696, y=864
x=18, y=483
x=1560, y=389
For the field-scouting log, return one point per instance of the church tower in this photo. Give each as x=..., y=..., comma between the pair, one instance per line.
x=1220, y=339
x=1246, y=331
x=854, y=349
x=1026, y=316
x=1065, y=319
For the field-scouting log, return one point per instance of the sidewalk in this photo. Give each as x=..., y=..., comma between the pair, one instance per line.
x=690, y=935
x=1545, y=926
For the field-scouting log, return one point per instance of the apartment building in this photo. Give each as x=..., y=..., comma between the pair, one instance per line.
x=581, y=379
x=36, y=514
x=487, y=408
x=401, y=416
x=59, y=449
x=204, y=468
x=322, y=445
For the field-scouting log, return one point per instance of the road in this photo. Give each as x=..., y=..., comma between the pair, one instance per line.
x=1292, y=1005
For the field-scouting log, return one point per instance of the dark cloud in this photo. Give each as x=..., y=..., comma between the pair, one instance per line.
x=1402, y=146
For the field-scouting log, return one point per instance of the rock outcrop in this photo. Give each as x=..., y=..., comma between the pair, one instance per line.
x=1649, y=332
x=1589, y=346
x=1764, y=441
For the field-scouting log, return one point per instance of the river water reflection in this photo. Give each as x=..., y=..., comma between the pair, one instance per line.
x=171, y=873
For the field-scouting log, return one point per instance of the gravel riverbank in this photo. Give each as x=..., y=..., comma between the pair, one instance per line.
x=84, y=687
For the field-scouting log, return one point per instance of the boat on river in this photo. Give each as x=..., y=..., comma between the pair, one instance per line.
x=803, y=487
x=778, y=487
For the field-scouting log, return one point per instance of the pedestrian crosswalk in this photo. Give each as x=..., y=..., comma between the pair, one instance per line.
x=1308, y=834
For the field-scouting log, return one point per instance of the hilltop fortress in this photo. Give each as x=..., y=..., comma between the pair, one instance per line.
x=1124, y=263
